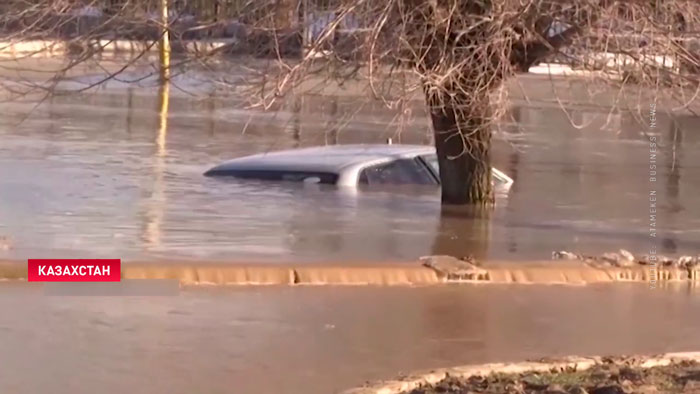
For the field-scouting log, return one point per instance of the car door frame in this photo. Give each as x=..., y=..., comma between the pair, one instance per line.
x=430, y=169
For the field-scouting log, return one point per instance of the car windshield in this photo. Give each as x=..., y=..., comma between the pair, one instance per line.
x=398, y=172
x=432, y=162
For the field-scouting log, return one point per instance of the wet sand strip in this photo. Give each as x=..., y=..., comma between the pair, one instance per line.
x=379, y=274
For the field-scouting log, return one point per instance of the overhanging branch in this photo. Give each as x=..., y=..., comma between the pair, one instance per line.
x=526, y=54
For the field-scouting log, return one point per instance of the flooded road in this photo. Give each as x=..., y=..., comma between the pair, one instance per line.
x=101, y=175
x=112, y=175
x=318, y=340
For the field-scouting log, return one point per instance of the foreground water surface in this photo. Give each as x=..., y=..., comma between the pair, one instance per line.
x=101, y=175
x=319, y=340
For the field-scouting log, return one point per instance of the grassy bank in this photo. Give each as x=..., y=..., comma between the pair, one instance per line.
x=609, y=377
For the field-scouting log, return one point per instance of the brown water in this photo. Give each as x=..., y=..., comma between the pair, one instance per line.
x=318, y=339
x=95, y=175
x=98, y=175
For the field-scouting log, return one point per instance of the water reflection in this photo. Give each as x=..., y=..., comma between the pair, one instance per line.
x=673, y=159
x=673, y=205
x=156, y=204
x=121, y=173
x=211, y=114
x=129, y=109
x=464, y=231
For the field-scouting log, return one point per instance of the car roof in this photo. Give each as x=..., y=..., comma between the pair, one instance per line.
x=329, y=158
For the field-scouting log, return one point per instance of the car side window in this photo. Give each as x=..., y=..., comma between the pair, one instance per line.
x=288, y=176
x=397, y=172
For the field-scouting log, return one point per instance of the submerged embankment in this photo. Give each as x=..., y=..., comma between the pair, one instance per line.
x=383, y=274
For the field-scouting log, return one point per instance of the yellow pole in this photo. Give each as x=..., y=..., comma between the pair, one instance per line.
x=164, y=44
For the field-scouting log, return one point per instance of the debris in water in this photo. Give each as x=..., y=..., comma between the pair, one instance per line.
x=688, y=261
x=659, y=260
x=621, y=259
x=454, y=269
x=624, y=258
x=665, y=261
x=564, y=255
x=5, y=243
x=471, y=260
x=627, y=255
x=611, y=257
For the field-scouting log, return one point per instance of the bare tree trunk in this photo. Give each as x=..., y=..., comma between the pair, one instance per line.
x=463, y=151
x=286, y=14
x=469, y=65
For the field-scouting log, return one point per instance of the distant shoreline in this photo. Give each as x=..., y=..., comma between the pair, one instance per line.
x=51, y=48
x=546, y=85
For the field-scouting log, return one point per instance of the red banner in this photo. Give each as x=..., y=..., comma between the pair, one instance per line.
x=73, y=270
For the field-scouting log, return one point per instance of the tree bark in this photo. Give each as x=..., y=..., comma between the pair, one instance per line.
x=460, y=70
x=286, y=14
x=463, y=151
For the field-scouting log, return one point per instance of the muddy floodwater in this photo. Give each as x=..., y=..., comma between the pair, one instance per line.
x=97, y=175
x=110, y=174
x=318, y=340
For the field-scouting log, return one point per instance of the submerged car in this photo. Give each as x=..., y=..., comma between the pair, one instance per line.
x=345, y=165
